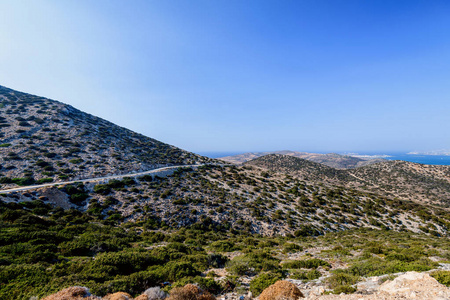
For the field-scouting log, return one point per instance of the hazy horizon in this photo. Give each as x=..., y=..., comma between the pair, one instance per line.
x=323, y=76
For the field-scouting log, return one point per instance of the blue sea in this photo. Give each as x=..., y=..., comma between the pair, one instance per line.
x=421, y=159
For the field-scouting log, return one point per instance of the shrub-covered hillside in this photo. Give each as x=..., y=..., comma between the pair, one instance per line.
x=44, y=140
x=243, y=198
x=401, y=179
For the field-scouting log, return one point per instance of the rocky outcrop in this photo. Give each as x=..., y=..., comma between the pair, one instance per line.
x=411, y=285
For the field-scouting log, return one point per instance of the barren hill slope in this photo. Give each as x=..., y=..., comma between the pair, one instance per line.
x=43, y=139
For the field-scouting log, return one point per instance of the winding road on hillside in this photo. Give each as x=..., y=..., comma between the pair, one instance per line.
x=159, y=170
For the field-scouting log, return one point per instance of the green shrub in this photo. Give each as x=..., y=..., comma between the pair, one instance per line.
x=5, y=180
x=341, y=279
x=133, y=284
x=124, y=262
x=175, y=270
x=442, y=276
x=224, y=246
x=23, y=181
x=305, y=264
x=76, y=161
x=76, y=192
x=253, y=263
x=346, y=289
x=263, y=281
x=147, y=178
x=375, y=266
x=44, y=180
x=217, y=260
x=305, y=275
x=102, y=189
x=291, y=247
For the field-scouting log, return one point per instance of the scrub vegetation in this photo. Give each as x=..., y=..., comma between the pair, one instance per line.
x=45, y=249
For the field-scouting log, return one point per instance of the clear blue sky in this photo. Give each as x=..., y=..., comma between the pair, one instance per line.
x=228, y=75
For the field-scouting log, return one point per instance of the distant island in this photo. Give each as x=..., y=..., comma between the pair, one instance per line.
x=367, y=157
x=433, y=152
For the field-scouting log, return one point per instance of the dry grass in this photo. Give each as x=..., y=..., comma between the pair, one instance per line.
x=190, y=292
x=281, y=290
x=72, y=293
x=118, y=296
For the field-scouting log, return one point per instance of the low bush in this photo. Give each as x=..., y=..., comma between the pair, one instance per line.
x=253, y=263
x=224, y=246
x=217, y=260
x=442, y=276
x=341, y=279
x=376, y=266
x=306, y=264
x=44, y=180
x=102, y=189
x=305, y=275
x=291, y=247
x=263, y=281
x=344, y=289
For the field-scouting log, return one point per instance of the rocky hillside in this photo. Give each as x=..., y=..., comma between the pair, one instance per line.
x=333, y=160
x=45, y=140
x=407, y=180
x=404, y=180
x=241, y=198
